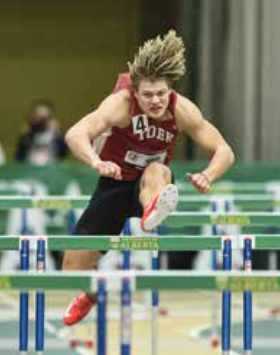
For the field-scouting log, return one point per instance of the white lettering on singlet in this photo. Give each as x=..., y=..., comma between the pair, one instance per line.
x=161, y=134
x=169, y=137
x=141, y=128
x=151, y=132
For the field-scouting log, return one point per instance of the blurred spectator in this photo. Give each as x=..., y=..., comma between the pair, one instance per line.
x=2, y=156
x=42, y=143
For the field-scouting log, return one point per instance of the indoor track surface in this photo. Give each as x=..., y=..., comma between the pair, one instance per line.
x=184, y=325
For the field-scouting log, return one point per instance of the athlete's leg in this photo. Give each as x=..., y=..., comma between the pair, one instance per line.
x=158, y=195
x=155, y=177
x=81, y=259
x=105, y=215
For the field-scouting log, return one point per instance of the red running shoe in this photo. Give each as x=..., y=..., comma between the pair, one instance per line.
x=160, y=207
x=78, y=309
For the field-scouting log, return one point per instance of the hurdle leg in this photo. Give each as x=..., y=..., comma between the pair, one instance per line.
x=155, y=305
x=40, y=299
x=226, y=301
x=215, y=341
x=101, y=331
x=215, y=302
x=126, y=300
x=247, y=302
x=126, y=309
x=24, y=300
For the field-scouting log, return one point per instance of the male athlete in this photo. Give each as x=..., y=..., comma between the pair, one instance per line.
x=129, y=140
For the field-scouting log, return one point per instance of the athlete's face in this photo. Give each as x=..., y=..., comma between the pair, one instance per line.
x=153, y=97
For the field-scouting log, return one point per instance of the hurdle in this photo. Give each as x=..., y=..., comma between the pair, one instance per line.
x=126, y=301
x=188, y=281
x=24, y=300
x=182, y=219
x=97, y=281
x=40, y=298
x=236, y=281
x=216, y=204
x=164, y=242
x=251, y=202
x=214, y=336
x=247, y=301
x=191, y=218
x=227, y=186
x=177, y=219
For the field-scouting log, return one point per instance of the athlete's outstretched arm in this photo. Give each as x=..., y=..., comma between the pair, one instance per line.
x=190, y=121
x=79, y=138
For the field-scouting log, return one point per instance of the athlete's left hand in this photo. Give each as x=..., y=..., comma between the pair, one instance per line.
x=200, y=181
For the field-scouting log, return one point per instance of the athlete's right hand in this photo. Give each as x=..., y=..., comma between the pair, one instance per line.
x=108, y=169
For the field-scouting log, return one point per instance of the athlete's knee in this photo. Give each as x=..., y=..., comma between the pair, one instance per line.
x=155, y=171
x=155, y=177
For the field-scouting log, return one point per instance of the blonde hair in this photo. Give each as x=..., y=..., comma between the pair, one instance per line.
x=159, y=58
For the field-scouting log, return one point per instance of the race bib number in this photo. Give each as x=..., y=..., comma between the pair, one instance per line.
x=142, y=160
x=140, y=124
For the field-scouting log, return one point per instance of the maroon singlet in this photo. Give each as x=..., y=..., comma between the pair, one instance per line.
x=143, y=141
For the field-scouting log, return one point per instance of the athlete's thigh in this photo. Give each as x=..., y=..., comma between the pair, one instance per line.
x=107, y=210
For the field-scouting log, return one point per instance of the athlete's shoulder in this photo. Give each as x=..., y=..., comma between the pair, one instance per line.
x=123, y=95
x=114, y=109
x=185, y=106
x=123, y=89
x=186, y=112
x=123, y=82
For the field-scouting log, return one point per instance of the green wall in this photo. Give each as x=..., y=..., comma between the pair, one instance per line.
x=67, y=51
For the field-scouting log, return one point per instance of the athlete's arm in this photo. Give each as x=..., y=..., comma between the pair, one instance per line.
x=112, y=112
x=191, y=122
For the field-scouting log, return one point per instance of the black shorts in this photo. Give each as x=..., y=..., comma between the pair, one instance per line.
x=111, y=204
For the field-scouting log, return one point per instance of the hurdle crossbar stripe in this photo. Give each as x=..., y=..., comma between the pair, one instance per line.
x=176, y=219
x=163, y=243
x=143, y=280
x=182, y=219
x=60, y=202
x=230, y=187
x=249, y=202
x=228, y=197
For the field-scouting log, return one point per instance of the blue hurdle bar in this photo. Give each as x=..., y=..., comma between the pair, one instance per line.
x=214, y=266
x=126, y=299
x=101, y=317
x=24, y=300
x=126, y=317
x=155, y=306
x=226, y=301
x=214, y=228
x=247, y=302
x=40, y=299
